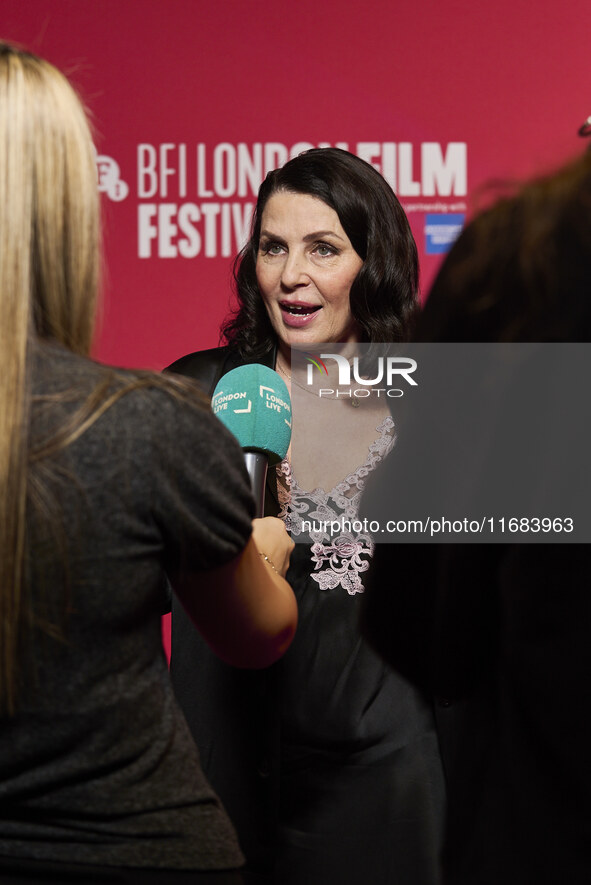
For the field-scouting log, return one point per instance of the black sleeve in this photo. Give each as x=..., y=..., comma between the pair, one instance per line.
x=200, y=492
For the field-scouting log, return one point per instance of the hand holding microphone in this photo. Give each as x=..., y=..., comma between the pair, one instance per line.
x=273, y=542
x=255, y=614
x=254, y=404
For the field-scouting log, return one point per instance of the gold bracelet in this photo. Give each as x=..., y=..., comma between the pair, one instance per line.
x=266, y=558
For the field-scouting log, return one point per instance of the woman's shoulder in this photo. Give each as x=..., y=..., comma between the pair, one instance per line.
x=70, y=386
x=56, y=371
x=198, y=360
x=206, y=366
x=223, y=358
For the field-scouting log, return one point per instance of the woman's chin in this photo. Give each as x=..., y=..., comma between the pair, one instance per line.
x=300, y=337
x=310, y=337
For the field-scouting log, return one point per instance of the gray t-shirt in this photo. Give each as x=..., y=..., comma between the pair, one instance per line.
x=98, y=765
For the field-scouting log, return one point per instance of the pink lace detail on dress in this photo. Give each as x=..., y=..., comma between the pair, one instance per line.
x=339, y=559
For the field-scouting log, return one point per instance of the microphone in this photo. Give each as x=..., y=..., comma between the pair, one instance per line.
x=253, y=402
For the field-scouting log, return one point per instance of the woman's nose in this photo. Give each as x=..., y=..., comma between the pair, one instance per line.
x=294, y=271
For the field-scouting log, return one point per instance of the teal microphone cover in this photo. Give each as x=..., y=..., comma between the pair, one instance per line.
x=254, y=404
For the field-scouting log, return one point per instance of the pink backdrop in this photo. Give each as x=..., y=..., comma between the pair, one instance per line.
x=509, y=80
x=192, y=99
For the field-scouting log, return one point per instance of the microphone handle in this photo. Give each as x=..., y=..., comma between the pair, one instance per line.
x=256, y=464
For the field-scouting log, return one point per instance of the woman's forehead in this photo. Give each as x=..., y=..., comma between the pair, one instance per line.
x=301, y=212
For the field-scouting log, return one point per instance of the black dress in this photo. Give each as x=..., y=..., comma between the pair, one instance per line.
x=328, y=762
x=361, y=785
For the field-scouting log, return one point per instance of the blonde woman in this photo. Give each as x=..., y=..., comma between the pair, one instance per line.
x=99, y=778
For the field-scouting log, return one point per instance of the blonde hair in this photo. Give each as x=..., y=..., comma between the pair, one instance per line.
x=48, y=285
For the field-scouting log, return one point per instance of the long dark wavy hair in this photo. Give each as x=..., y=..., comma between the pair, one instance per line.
x=384, y=295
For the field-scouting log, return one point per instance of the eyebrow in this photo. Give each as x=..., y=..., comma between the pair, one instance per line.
x=308, y=238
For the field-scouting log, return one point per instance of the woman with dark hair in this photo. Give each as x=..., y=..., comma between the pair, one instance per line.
x=383, y=295
x=329, y=763
x=99, y=777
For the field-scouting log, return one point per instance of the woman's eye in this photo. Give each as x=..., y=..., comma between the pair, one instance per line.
x=271, y=248
x=324, y=250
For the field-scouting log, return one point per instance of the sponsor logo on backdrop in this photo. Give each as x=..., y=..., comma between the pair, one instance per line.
x=197, y=199
x=109, y=178
x=441, y=231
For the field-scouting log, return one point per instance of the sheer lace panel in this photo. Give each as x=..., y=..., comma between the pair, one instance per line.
x=339, y=553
